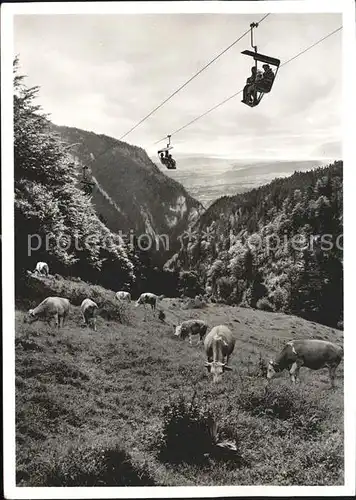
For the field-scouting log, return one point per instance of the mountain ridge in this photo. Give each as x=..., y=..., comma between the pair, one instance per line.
x=132, y=194
x=243, y=248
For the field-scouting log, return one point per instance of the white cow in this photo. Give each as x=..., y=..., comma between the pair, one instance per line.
x=191, y=327
x=218, y=344
x=147, y=298
x=50, y=308
x=42, y=268
x=123, y=296
x=89, y=310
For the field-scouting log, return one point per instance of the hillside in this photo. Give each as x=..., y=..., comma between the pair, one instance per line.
x=54, y=220
x=132, y=194
x=278, y=247
x=83, y=396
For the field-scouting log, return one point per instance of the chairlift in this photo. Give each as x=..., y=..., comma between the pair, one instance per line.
x=264, y=85
x=88, y=184
x=165, y=158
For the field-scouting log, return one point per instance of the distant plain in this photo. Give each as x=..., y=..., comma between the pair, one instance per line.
x=209, y=178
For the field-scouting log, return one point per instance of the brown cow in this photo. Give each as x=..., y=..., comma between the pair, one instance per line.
x=312, y=353
x=191, y=327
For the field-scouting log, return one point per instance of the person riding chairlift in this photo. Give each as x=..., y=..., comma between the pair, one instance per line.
x=265, y=83
x=249, y=88
x=172, y=162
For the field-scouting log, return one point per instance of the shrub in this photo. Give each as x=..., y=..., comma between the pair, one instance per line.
x=279, y=299
x=262, y=366
x=225, y=287
x=188, y=432
x=84, y=465
x=197, y=303
x=264, y=305
x=189, y=284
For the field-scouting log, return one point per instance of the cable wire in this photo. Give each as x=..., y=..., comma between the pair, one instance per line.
x=239, y=92
x=190, y=79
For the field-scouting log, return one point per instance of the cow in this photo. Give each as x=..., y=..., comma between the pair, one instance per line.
x=312, y=353
x=123, y=296
x=89, y=310
x=191, y=327
x=42, y=268
x=219, y=345
x=148, y=298
x=50, y=308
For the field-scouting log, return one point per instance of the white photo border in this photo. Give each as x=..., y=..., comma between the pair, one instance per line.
x=9, y=10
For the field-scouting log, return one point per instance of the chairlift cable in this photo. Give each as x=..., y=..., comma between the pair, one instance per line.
x=176, y=92
x=190, y=79
x=239, y=92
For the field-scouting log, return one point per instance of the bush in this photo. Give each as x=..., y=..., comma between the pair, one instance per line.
x=87, y=466
x=264, y=305
x=189, y=284
x=225, y=287
x=262, y=366
x=188, y=432
x=279, y=299
x=197, y=303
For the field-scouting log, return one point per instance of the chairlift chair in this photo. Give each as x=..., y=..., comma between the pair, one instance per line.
x=165, y=158
x=260, y=87
x=88, y=185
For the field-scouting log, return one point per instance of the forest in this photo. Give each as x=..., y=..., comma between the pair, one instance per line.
x=277, y=248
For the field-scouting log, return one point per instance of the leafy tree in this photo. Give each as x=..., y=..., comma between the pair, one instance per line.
x=225, y=287
x=258, y=290
x=189, y=284
x=52, y=214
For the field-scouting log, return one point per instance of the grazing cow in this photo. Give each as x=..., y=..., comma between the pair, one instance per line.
x=312, y=353
x=89, y=310
x=191, y=327
x=50, y=308
x=123, y=296
x=147, y=298
x=218, y=344
x=42, y=268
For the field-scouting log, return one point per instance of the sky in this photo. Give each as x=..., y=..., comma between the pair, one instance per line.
x=104, y=73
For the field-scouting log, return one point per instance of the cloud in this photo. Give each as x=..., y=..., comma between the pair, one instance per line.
x=105, y=73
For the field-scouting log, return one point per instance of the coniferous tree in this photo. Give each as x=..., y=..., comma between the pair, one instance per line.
x=54, y=220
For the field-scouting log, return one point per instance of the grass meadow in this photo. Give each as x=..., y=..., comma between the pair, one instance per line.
x=108, y=408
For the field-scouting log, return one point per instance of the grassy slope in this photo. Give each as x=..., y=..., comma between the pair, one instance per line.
x=76, y=386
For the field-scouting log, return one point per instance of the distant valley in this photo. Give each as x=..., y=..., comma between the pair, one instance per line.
x=208, y=178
